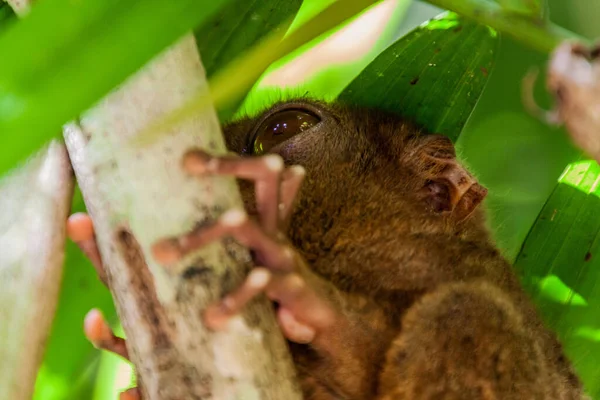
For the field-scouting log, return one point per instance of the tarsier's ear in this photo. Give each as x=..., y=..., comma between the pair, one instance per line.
x=449, y=187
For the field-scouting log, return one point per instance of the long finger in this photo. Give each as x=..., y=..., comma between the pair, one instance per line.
x=264, y=171
x=235, y=223
x=291, y=181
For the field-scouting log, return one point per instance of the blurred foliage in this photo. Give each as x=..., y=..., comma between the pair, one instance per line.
x=515, y=156
x=6, y=15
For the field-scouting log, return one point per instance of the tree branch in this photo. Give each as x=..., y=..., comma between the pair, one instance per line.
x=138, y=196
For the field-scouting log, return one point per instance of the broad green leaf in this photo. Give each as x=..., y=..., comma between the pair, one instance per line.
x=65, y=55
x=434, y=75
x=560, y=267
x=59, y=80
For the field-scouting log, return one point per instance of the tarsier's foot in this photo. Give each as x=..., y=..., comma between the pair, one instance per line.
x=80, y=229
x=303, y=309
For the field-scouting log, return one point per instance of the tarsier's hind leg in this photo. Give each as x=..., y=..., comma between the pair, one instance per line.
x=467, y=341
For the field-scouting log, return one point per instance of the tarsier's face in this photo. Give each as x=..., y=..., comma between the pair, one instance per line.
x=350, y=145
x=370, y=178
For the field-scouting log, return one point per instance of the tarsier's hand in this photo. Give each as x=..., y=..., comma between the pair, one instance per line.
x=304, y=311
x=282, y=274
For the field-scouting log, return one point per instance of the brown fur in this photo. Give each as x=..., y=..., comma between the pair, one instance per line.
x=434, y=311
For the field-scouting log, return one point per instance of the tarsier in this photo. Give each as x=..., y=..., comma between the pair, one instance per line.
x=376, y=253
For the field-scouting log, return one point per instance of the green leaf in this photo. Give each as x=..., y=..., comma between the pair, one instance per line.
x=235, y=28
x=433, y=76
x=560, y=267
x=239, y=25
x=65, y=55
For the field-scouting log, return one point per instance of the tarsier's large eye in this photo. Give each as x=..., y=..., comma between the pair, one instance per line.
x=281, y=126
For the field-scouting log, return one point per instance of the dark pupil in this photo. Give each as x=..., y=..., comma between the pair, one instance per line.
x=280, y=127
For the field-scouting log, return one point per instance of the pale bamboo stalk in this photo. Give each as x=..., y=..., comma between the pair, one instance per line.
x=138, y=195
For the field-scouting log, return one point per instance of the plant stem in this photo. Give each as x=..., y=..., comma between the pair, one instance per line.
x=530, y=8
x=537, y=34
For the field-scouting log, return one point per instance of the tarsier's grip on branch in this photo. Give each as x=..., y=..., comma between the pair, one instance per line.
x=370, y=240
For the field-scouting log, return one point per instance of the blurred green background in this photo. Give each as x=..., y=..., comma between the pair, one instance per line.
x=516, y=157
